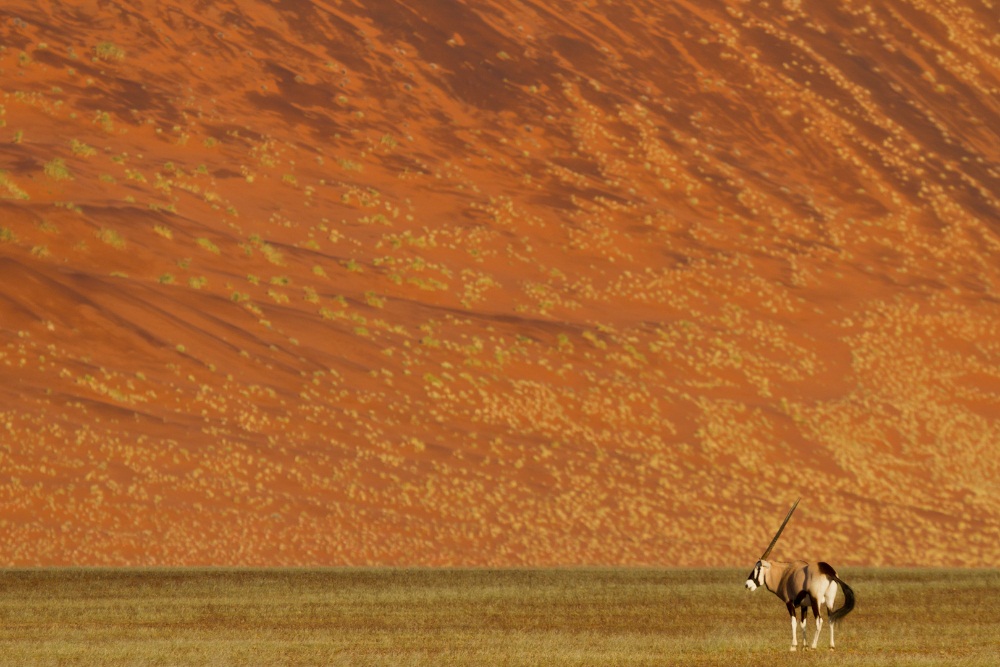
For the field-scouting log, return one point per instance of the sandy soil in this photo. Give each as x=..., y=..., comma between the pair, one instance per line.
x=492, y=283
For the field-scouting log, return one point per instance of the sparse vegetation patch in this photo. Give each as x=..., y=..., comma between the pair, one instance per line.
x=109, y=51
x=57, y=170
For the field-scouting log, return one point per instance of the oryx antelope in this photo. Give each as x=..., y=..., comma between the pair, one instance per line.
x=802, y=584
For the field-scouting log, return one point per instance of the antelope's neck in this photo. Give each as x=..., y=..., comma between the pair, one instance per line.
x=775, y=574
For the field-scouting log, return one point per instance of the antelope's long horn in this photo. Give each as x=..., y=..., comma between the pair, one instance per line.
x=774, y=541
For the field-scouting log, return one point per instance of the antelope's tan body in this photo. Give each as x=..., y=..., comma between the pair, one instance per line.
x=801, y=585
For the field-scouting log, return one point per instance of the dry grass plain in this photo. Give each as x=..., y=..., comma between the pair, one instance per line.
x=477, y=617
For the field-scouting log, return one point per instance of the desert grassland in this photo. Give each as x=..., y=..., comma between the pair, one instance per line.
x=478, y=617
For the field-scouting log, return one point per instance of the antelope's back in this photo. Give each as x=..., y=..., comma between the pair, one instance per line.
x=827, y=569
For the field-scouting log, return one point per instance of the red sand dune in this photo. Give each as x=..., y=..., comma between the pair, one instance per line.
x=499, y=283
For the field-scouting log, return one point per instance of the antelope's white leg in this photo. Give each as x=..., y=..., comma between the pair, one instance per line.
x=795, y=639
x=831, y=598
x=819, y=626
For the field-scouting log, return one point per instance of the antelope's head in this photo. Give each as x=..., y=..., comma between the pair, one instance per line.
x=756, y=577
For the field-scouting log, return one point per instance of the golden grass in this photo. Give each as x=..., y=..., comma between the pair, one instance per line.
x=477, y=617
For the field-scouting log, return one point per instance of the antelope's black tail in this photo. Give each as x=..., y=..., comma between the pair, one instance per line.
x=848, y=602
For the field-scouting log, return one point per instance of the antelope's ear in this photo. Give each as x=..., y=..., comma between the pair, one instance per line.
x=764, y=565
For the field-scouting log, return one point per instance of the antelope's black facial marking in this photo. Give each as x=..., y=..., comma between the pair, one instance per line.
x=754, y=578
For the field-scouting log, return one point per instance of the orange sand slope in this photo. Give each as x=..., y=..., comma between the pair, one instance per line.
x=499, y=283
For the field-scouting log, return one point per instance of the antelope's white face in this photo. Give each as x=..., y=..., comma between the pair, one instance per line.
x=756, y=577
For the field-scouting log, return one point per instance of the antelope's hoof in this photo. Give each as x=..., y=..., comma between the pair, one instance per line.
x=793, y=648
